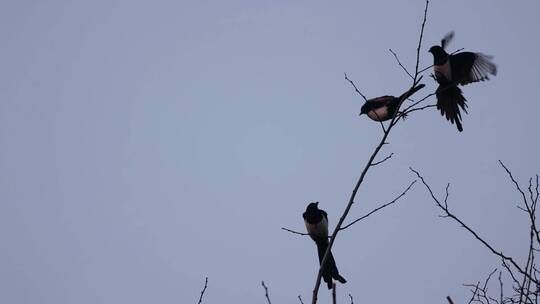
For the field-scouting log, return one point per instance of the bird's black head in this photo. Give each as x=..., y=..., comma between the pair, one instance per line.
x=312, y=207
x=439, y=54
x=364, y=109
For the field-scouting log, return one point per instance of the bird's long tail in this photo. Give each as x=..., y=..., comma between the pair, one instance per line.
x=330, y=270
x=410, y=92
x=449, y=101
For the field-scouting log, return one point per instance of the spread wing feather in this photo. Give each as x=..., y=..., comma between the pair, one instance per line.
x=468, y=67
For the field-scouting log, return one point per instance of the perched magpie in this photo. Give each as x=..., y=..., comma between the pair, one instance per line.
x=457, y=69
x=316, y=221
x=385, y=107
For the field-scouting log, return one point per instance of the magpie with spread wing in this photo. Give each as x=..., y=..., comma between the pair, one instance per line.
x=316, y=221
x=384, y=108
x=452, y=70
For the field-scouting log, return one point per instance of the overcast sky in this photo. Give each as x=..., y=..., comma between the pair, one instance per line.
x=145, y=145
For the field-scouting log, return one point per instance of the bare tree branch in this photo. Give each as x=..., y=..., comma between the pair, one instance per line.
x=401, y=65
x=420, y=108
x=411, y=108
x=448, y=214
x=204, y=289
x=293, y=231
x=416, y=73
x=530, y=209
x=352, y=302
x=300, y=298
x=380, y=207
x=383, y=160
x=355, y=88
x=266, y=292
x=392, y=123
x=334, y=301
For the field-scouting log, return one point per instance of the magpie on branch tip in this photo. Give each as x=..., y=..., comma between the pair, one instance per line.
x=457, y=69
x=316, y=221
x=384, y=108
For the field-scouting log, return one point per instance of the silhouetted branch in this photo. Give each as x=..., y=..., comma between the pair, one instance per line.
x=204, y=289
x=420, y=108
x=293, y=231
x=480, y=293
x=266, y=292
x=371, y=159
x=355, y=88
x=380, y=207
x=416, y=73
x=401, y=65
x=334, y=301
x=350, y=297
x=448, y=214
x=530, y=207
x=300, y=298
x=383, y=160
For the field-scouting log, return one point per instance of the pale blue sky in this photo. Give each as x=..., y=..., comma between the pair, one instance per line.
x=148, y=144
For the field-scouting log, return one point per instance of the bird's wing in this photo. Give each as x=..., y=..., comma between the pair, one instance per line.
x=324, y=214
x=468, y=67
x=383, y=100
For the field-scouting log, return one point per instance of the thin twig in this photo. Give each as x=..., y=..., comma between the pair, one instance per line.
x=501, y=289
x=401, y=65
x=300, y=298
x=380, y=207
x=421, y=108
x=266, y=292
x=204, y=289
x=525, y=202
x=420, y=42
x=407, y=110
x=449, y=300
x=355, y=88
x=352, y=302
x=293, y=231
x=383, y=160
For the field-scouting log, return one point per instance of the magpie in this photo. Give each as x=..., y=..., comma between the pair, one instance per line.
x=316, y=221
x=385, y=107
x=452, y=70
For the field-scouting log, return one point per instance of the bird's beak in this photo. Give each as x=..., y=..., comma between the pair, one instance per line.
x=317, y=204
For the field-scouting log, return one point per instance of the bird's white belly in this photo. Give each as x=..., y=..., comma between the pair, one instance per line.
x=379, y=114
x=443, y=70
x=320, y=229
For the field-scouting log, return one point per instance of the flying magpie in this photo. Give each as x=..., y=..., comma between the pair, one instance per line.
x=457, y=69
x=316, y=221
x=385, y=107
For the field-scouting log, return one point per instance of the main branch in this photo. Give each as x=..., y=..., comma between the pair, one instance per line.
x=369, y=163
